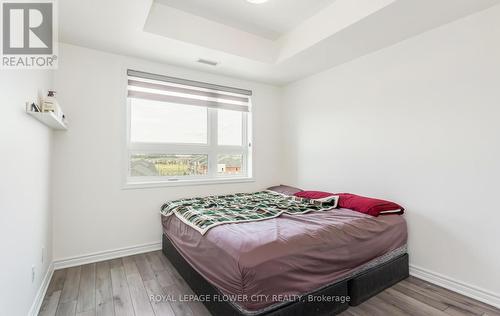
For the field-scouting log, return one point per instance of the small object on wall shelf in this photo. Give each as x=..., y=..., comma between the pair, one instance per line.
x=51, y=119
x=49, y=112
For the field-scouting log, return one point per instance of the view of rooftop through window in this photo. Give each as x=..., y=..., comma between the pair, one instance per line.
x=186, y=131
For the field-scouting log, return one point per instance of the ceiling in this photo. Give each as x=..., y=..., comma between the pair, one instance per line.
x=277, y=42
x=269, y=20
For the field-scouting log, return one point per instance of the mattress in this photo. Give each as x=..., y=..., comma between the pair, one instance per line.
x=258, y=265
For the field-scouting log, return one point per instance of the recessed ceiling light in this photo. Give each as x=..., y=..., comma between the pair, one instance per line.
x=257, y=1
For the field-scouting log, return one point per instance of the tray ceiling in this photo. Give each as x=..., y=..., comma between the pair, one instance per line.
x=269, y=20
x=277, y=42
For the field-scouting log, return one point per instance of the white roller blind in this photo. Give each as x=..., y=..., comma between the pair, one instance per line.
x=149, y=86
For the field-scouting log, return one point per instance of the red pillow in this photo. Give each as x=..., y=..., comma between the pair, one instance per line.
x=313, y=194
x=362, y=204
x=370, y=206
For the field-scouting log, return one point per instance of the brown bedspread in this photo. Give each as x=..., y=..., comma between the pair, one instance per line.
x=289, y=255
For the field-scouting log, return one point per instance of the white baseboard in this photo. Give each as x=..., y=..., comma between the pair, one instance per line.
x=84, y=259
x=456, y=286
x=40, y=294
x=105, y=255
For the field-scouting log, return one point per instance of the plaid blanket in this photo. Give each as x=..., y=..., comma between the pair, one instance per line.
x=203, y=213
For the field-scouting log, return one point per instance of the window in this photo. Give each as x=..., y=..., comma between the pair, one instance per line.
x=182, y=131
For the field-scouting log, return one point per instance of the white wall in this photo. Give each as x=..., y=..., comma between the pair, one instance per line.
x=25, y=216
x=417, y=123
x=91, y=211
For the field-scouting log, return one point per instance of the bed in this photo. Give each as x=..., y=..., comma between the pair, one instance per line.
x=315, y=263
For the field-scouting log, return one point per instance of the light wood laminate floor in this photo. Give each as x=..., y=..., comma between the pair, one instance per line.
x=123, y=287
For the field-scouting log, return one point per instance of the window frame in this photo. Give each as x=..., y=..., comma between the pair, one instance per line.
x=212, y=149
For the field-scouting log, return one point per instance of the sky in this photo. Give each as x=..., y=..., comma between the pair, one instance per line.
x=160, y=122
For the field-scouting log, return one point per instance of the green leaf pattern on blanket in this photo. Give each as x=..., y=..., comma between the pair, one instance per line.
x=207, y=212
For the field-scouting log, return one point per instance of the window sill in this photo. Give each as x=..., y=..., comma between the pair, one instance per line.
x=181, y=183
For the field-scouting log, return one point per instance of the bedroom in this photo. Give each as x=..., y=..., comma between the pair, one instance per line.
x=392, y=101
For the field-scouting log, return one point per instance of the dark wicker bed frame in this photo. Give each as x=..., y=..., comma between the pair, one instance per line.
x=358, y=289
